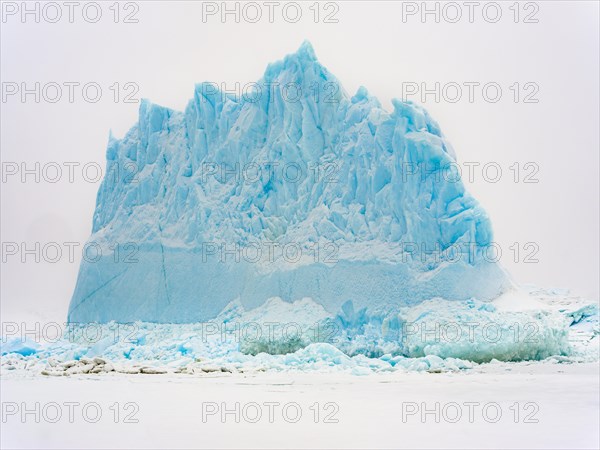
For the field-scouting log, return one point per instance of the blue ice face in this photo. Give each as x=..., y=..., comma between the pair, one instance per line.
x=368, y=196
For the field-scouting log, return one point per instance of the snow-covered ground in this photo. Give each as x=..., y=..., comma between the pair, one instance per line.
x=542, y=405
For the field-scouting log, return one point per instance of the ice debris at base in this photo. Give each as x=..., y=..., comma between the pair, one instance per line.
x=434, y=336
x=367, y=198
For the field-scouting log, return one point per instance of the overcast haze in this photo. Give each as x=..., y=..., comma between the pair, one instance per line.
x=170, y=49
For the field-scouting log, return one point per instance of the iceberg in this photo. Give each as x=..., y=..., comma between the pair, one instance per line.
x=291, y=189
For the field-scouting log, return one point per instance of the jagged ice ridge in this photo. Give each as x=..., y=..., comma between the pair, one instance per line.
x=382, y=196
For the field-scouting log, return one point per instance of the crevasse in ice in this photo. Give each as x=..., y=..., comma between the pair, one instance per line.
x=293, y=189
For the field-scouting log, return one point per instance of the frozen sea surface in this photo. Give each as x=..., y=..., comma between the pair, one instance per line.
x=514, y=405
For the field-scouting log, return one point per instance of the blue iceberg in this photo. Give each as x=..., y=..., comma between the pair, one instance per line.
x=291, y=189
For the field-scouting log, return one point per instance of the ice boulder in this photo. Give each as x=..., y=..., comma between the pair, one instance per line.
x=290, y=188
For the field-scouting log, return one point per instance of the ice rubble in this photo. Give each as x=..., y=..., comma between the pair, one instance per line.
x=333, y=172
x=301, y=335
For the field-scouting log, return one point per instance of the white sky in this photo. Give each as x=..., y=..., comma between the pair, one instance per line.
x=171, y=48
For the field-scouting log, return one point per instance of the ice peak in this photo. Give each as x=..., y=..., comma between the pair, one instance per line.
x=299, y=67
x=306, y=51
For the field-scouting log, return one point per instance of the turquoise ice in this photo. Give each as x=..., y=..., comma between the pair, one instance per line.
x=366, y=197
